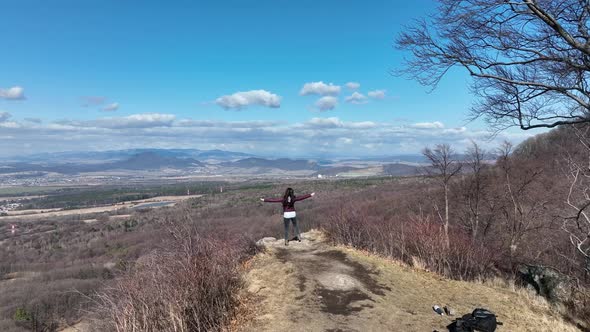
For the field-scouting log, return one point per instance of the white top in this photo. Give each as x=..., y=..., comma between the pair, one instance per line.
x=290, y=214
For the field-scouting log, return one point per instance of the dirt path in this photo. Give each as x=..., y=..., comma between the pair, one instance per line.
x=312, y=286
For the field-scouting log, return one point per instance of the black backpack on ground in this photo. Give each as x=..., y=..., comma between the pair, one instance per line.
x=481, y=320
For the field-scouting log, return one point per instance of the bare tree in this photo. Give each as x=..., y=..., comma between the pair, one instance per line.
x=473, y=189
x=529, y=59
x=578, y=198
x=445, y=166
x=521, y=207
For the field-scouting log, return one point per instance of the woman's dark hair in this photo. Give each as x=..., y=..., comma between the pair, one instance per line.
x=289, y=197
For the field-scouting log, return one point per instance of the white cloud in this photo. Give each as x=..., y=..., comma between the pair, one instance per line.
x=332, y=122
x=4, y=116
x=428, y=125
x=356, y=98
x=226, y=124
x=111, y=107
x=14, y=93
x=377, y=94
x=361, y=125
x=317, y=136
x=353, y=85
x=455, y=131
x=145, y=120
x=10, y=124
x=254, y=97
x=320, y=88
x=326, y=103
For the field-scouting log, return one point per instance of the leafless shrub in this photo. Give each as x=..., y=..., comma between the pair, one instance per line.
x=188, y=286
x=417, y=239
x=349, y=226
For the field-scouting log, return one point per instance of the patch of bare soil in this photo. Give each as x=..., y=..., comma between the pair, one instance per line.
x=39, y=213
x=313, y=286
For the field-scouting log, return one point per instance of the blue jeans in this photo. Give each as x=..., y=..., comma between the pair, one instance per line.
x=294, y=221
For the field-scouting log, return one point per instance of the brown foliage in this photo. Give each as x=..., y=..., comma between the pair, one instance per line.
x=188, y=285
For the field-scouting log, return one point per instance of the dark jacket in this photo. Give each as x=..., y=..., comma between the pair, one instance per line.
x=287, y=206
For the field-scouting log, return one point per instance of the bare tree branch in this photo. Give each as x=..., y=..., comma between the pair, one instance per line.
x=529, y=60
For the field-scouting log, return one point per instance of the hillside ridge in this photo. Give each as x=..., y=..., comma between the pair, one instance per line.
x=315, y=286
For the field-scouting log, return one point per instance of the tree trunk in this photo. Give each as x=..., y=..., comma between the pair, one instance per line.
x=475, y=227
x=446, y=226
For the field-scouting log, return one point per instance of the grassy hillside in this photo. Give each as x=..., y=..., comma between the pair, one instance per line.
x=330, y=288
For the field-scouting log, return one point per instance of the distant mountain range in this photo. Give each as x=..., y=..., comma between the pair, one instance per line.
x=208, y=161
x=88, y=157
x=140, y=161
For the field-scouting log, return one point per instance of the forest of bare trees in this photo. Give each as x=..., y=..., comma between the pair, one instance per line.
x=512, y=212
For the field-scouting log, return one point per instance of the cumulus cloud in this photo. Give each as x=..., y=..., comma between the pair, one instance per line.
x=14, y=93
x=226, y=124
x=356, y=98
x=325, y=136
x=377, y=94
x=240, y=100
x=353, y=85
x=111, y=107
x=145, y=120
x=332, y=122
x=326, y=103
x=9, y=124
x=4, y=116
x=428, y=125
x=361, y=125
x=320, y=88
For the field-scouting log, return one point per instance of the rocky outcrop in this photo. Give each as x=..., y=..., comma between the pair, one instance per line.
x=547, y=282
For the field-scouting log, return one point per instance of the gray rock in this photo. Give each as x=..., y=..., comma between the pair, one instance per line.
x=546, y=282
x=265, y=241
x=449, y=311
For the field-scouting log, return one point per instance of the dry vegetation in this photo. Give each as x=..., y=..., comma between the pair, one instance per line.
x=184, y=261
x=52, y=269
x=509, y=220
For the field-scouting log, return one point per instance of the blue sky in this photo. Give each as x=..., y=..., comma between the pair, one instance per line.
x=96, y=75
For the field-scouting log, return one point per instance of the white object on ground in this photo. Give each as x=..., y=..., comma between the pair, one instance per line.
x=438, y=310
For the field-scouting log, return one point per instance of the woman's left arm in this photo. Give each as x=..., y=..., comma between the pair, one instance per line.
x=300, y=198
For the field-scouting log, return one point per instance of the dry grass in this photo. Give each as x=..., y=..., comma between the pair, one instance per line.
x=417, y=290
x=406, y=306
x=189, y=285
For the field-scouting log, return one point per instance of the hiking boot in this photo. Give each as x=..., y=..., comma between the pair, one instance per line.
x=286, y=242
